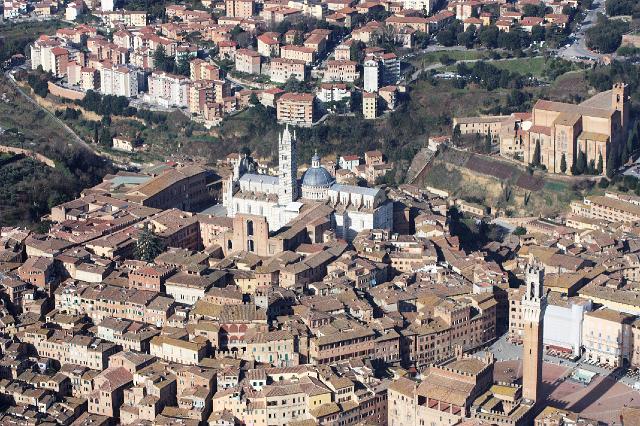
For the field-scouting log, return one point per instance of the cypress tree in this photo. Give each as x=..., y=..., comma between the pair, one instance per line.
x=611, y=164
x=624, y=157
x=563, y=163
x=600, y=164
x=581, y=163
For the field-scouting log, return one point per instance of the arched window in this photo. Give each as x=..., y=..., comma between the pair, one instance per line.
x=249, y=227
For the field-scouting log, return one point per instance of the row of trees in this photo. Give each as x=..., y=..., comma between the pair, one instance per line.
x=489, y=76
x=492, y=38
x=106, y=104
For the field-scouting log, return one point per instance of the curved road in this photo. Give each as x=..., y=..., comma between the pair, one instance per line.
x=579, y=46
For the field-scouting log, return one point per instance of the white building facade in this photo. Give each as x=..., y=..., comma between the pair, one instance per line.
x=168, y=90
x=119, y=81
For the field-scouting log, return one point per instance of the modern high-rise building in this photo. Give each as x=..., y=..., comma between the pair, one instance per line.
x=534, y=302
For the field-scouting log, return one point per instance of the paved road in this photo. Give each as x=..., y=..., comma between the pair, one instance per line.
x=579, y=47
x=77, y=139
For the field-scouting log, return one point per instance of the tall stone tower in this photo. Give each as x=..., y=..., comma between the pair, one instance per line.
x=287, y=168
x=619, y=102
x=534, y=303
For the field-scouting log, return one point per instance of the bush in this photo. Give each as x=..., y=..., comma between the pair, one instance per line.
x=603, y=183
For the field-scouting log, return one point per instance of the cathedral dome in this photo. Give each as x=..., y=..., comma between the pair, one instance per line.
x=317, y=176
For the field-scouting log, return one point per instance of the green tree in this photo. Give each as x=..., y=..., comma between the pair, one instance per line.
x=253, y=99
x=96, y=136
x=488, y=36
x=537, y=33
x=356, y=51
x=182, y=65
x=488, y=146
x=161, y=61
x=105, y=137
x=624, y=155
x=148, y=246
x=581, y=163
x=520, y=230
x=611, y=164
x=600, y=166
x=468, y=37
x=456, y=136
x=563, y=163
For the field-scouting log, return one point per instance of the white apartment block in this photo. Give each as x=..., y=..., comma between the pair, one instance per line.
x=372, y=77
x=119, y=81
x=282, y=69
x=168, y=90
x=40, y=52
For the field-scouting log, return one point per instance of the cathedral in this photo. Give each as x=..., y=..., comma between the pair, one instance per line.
x=280, y=198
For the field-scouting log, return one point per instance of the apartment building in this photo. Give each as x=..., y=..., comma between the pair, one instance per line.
x=299, y=53
x=126, y=17
x=203, y=70
x=239, y=8
x=119, y=81
x=203, y=92
x=418, y=23
x=180, y=351
x=609, y=207
x=268, y=45
x=48, y=53
x=607, y=337
x=469, y=322
x=247, y=61
x=369, y=105
x=345, y=345
x=282, y=70
x=343, y=71
x=333, y=92
x=296, y=108
x=482, y=125
x=168, y=90
x=81, y=350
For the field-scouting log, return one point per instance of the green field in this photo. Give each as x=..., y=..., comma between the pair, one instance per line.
x=534, y=66
x=457, y=55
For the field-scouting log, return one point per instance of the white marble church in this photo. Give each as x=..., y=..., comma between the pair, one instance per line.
x=280, y=199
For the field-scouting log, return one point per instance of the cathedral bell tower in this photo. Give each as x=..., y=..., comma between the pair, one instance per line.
x=287, y=168
x=534, y=303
